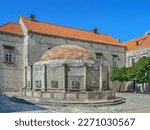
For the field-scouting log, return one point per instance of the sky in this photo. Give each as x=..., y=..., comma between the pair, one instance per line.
x=121, y=19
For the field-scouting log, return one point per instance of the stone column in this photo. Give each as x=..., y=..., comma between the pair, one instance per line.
x=64, y=77
x=25, y=77
x=108, y=73
x=101, y=78
x=85, y=67
x=45, y=78
x=31, y=72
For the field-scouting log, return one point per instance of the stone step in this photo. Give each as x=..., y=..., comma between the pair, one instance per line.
x=87, y=103
x=92, y=103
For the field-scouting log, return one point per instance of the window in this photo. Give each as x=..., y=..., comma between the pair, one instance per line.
x=144, y=56
x=139, y=42
x=114, y=61
x=99, y=56
x=8, y=54
x=132, y=61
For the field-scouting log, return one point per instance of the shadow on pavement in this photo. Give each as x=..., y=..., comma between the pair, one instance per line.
x=7, y=105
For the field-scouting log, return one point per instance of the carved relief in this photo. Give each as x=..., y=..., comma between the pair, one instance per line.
x=54, y=84
x=38, y=84
x=94, y=84
x=75, y=84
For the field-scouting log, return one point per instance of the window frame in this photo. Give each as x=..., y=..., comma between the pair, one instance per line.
x=139, y=42
x=9, y=54
x=144, y=56
x=114, y=61
x=98, y=56
x=131, y=61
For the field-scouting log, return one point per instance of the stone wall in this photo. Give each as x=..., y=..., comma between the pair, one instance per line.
x=138, y=53
x=37, y=45
x=70, y=97
x=66, y=75
x=11, y=74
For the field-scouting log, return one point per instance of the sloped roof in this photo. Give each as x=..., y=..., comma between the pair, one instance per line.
x=55, y=30
x=67, y=52
x=137, y=43
x=12, y=28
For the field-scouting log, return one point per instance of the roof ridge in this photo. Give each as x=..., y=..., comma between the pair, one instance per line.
x=8, y=23
x=133, y=44
x=145, y=36
x=138, y=48
x=66, y=27
x=23, y=19
x=64, y=31
x=11, y=27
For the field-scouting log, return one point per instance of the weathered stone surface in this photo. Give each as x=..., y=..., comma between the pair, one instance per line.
x=11, y=74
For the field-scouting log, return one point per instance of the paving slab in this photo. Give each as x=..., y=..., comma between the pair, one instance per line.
x=135, y=103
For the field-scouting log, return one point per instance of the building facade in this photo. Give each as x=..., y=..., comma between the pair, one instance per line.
x=23, y=43
x=136, y=49
x=11, y=58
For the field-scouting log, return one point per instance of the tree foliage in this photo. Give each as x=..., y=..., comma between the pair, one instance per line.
x=139, y=72
x=119, y=74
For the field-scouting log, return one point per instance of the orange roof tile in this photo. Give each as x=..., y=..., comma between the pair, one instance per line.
x=51, y=29
x=143, y=42
x=69, y=52
x=11, y=27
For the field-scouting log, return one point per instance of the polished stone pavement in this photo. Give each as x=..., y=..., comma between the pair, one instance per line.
x=135, y=103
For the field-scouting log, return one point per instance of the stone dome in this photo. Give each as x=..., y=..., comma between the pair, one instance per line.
x=67, y=52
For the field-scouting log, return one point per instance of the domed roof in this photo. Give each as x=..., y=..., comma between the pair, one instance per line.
x=67, y=52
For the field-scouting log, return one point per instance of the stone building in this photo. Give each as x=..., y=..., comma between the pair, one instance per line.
x=137, y=48
x=22, y=44
x=11, y=57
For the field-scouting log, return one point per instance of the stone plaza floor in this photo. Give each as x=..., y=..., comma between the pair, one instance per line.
x=135, y=103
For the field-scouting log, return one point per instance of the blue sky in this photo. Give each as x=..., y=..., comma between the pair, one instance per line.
x=124, y=19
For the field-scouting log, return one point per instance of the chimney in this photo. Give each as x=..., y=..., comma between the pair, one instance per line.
x=94, y=30
x=118, y=39
x=31, y=17
x=147, y=33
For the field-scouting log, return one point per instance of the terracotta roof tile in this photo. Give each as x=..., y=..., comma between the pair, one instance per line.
x=69, y=52
x=137, y=43
x=51, y=29
x=11, y=27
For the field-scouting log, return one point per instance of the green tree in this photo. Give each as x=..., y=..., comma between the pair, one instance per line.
x=140, y=71
x=119, y=74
